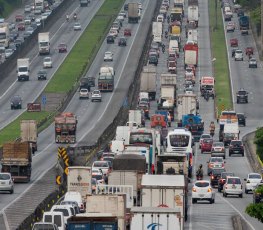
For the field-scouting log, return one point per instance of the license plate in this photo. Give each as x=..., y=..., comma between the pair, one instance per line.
x=201, y=195
x=233, y=186
x=215, y=166
x=2, y=182
x=236, y=151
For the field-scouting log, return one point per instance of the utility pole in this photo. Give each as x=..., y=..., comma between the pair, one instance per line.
x=261, y=32
x=216, y=12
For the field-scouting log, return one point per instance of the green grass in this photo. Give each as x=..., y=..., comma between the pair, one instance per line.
x=7, y=6
x=223, y=98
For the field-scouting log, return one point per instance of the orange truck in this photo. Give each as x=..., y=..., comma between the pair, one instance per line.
x=158, y=120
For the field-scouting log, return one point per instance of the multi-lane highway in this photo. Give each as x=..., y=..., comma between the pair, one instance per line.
x=93, y=117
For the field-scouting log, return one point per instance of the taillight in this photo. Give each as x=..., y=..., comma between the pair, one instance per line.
x=209, y=190
x=248, y=181
x=212, y=177
x=194, y=189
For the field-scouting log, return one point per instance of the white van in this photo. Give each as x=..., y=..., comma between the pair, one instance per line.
x=75, y=196
x=55, y=218
x=67, y=211
x=144, y=96
x=173, y=46
x=160, y=18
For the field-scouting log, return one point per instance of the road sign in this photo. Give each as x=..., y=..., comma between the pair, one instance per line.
x=44, y=99
x=62, y=152
x=58, y=180
x=66, y=162
x=66, y=171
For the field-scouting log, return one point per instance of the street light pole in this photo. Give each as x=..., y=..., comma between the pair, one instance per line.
x=216, y=13
x=261, y=28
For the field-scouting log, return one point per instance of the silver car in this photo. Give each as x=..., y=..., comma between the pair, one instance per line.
x=96, y=95
x=77, y=26
x=6, y=182
x=83, y=93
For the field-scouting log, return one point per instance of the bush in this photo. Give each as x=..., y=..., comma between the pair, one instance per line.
x=259, y=142
x=255, y=210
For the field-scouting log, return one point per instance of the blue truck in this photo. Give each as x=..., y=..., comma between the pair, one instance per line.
x=193, y=123
x=166, y=115
x=244, y=24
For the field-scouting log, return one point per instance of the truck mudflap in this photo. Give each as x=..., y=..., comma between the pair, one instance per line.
x=23, y=78
x=65, y=139
x=19, y=179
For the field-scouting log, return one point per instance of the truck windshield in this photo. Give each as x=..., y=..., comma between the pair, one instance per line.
x=43, y=44
x=141, y=138
x=2, y=36
x=179, y=140
x=22, y=69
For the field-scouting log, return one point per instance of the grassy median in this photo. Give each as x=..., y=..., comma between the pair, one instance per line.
x=8, y=6
x=219, y=51
x=74, y=66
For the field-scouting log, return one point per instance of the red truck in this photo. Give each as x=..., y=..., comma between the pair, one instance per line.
x=190, y=54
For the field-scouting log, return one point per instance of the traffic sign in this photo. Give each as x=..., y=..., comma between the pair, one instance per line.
x=222, y=107
x=66, y=162
x=66, y=171
x=62, y=152
x=44, y=99
x=58, y=180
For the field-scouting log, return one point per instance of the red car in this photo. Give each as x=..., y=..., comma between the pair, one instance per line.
x=21, y=26
x=127, y=32
x=233, y=42
x=19, y=18
x=206, y=145
x=62, y=48
x=249, y=51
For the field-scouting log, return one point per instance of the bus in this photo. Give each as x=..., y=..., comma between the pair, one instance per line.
x=4, y=34
x=179, y=140
x=106, y=82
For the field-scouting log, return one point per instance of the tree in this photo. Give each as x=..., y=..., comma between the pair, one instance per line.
x=256, y=211
x=259, y=142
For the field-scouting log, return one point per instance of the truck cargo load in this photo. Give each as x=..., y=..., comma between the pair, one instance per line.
x=79, y=180
x=4, y=32
x=191, y=54
x=167, y=99
x=16, y=159
x=186, y=104
x=44, y=43
x=65, y=128
x=23, y=69
x=192, y=35
x=148, y=81
x=231, y=132
x=136, y=116
x=133, y=12
x=157, y=31
x=193, y=14
x=129, y=162
x=146, y=217
x=244, y=24
x=29, y=133
x=207, y=84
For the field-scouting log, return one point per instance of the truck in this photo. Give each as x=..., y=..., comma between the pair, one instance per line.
x=100, y=221
x=79, y=180
x=194, y=123
x=224, y=119
x=43, y=43
x=148, y=81
x=165, y=191
x=28, y=130
x=106, y=79
x=133, y=12
x=176, y=14
x=186, y=104
x=207, y=83
x=193, y=12
x=23, y=69
x=115, y=204
x=4, y=34
x=84, y=3
x=192, y=35
x=39, y=5
x=137, y=117
x=179, y=4
x=190, y=54
x=65, y=128
x=17, y=160
x=157, y=31
x=148, y=217
x=244, y=24
x=167, y=99
x=231, y=132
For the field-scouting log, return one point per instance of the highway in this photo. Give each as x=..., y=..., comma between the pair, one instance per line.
x=93, y=117
x=61, y=31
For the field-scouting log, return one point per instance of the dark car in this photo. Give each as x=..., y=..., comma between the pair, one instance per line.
x=18, y=42
x=21, y=26
x=42, y=75
x=110, y=39
x=241, y=119
x=122, y=42
x=215, y=175
x=87, y=82
x=153, y=60
x=145, y=107
x=62, y=48
x=258, y=196
x=234, y=52
x=236, y=147
x=222, y=179
x=242, y=96
x=13, y=36
x=126, y=6
x=26, y=35
x=16, y=102
x=240, y=12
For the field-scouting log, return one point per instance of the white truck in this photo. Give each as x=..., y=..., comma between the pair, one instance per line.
x=136, y=116
x=155, y=218
x=4, y=34
x=186, y=104
x=231, y=132
x=192, y=35
x=193, y=11
x=79, y=180
x=157, y=31
x=39, y=5
x=122, y=133
x=84, y=2
x=23, y=69
x=166, y=191
x=43, y=43
x=28, y=129
x=168, y=79
x=148, y=81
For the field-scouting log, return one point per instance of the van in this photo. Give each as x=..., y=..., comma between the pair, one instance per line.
x=174, y=46
x=56, y=218
x=44, y=226
x=75, y=196
x=231, y=132
x=160, y=18
x=144, y=96
x=67, y=211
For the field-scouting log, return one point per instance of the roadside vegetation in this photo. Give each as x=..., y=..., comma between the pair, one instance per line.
x=223, y=97
x=74, y=66
x=7, y=6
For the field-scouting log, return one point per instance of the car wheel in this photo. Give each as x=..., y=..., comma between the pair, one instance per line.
x=241, y=195
x=211, y=201
x=193, y=201
x=219, y=189
x=242, y=154
x=246, y=191
x=12, y=191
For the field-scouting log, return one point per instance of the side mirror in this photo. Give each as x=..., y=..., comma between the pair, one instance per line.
x=245, y=179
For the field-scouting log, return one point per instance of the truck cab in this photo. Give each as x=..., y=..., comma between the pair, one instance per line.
x=56, y=218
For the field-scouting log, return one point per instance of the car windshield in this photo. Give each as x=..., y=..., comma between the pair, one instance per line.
x=217, y=171
x=202, y=184
x=205, y=136
x=218, y=144
x=65, y=211
x=254, y=176
x=96, y=92
x=233, y=181
x=208, y=141
x=47, y=59
x=236, y=143
x=242, y=92
x=4, y=176
x=224, y=175
x=252, y=59
x=101, y=164
x=216, y=159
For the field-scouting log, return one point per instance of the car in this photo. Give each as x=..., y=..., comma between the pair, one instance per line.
x=19, y=18
x=258, y=196
x=18, y=42
x=16, y=102
x=218, y=150
x=238, y=55
x=6, y=182
x=127, y=32
x=77, y=26
x=62, y=48
x=241, y=119
x=202, y=190
x=120, y=18
x=233, y=42
x=103, y=165
x=110, y=39
x=122, y=41
x=45, y=15
x=74, y=204
x=215, y=175
x=249, y=51
x=123, y=13
x=108, y=56
x=236, y=147
x=38, y=21
x=8, y=53
x=206, y=145
x=233, y=186
x=113, y=32
x=98, y=175
x=222, y=180
x=21, y=26
x=251, y=181
x=84, y=93
x=143, y=105
x=203, y=136
x=26, y=35
x=96, y=96
x=153, y=60
x=27, y=9
x=253, y=63
x=47, y=62
x=27, y=20
x=75, y=196
x=240, y=12
x=215, y=162
x=30, y=30
x=126, y=7
x=12, y=46
x=13, y=35
x=230, y=28
x=242, y=96
x=42, y=75
x=233, y=52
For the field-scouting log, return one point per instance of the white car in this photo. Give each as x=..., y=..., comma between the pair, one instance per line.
x=251, y=181
x=113, y=32
x=47, y=63
x=6, y=182
x=108, y=56
x=83, y=93
x=75, y=196
x=77, y=26
x=8, y=53
x=233, y=186
x=104, y=166
x=95, y=95
x=238, y=55
x=202, y=190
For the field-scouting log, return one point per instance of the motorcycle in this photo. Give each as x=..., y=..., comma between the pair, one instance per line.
x=67, y=18
x=199, y=177
x=206, y=96
x=75, y=17
x=212, y=132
